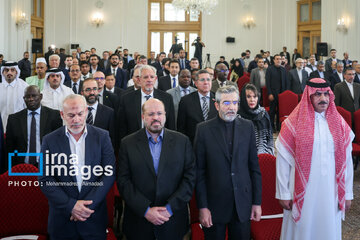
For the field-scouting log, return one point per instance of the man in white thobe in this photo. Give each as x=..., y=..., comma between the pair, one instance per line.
x=314, y=171
x=54, y=89
x=11, y=91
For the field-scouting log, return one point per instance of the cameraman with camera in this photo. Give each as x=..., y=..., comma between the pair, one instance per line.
x=198, y=49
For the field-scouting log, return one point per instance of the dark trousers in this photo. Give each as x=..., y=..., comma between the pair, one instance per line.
x=236, y=230
x=274, y=110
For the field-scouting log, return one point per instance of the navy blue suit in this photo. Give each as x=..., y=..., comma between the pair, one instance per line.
x=62, y=199
x=120, y=79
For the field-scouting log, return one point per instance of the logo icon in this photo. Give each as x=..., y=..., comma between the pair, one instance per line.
x=16, y=154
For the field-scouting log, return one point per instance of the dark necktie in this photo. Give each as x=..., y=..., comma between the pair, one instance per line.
x=90, y=117
x=147, y=97
x=114, y=72
x=185, y=91
x=74, y=88
x=205, y=108
x=32, y=143
x=182, y=63
x=174, y=82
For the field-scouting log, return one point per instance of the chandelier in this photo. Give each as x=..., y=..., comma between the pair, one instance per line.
x=196, y=6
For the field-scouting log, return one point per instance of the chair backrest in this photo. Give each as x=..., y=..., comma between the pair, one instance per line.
x=265, y=96
x=287, y=102
x=23, y=207
x=357, y=126
x=244, y=79
x=269, y=204
x=345, y=114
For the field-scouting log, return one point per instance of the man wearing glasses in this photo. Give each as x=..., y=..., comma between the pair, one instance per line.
x=227, y=163
x=105, y=97
x=99, y=115
x=75, y=84
x=196, y=107
x=221, y=73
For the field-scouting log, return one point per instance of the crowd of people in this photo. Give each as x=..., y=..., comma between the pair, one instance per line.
x=165, y=126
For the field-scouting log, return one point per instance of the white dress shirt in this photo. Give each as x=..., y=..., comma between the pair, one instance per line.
x=78, y=148
x=94, y=109
x=37, y=119
x=53, y=98
x=351, y=88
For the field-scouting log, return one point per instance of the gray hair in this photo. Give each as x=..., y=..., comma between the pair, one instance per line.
x=54, y=56
x=320, y=63
x=73, y=97
x=340, y=63
x=226, y=90
x=146, y=67
x=298, y=60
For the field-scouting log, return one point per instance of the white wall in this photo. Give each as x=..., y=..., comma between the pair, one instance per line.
x=330, y=12
x=125, y=24
x=14, y=40
x=275, y=27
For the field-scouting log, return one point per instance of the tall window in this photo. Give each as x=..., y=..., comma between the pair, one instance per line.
x=309, y=26
x=167, y=25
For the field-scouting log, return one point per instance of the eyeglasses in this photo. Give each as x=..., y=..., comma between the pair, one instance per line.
x=228, y=103
x=90, y=89
x=75, y=71
x=99, y=78
x=222, y=70
x=204, y=79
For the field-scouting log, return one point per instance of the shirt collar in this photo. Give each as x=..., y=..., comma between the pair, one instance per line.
x=150, y=138
x=349, y=84
x=95, y=105
x=37, y=111
x=207, y=95
x=144, y=94
x=187, y=89
x=320, y=115
x=12, y=84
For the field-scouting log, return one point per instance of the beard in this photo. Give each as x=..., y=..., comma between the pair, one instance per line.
x=93, y=99
x=228, y=116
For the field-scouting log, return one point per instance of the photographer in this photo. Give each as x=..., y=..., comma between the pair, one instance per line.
x=198, y=49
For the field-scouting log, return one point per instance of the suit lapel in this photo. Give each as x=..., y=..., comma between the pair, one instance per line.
x=143, y=146
x=166, y=150
x=218, y=134
x=98, y=115
x=212, y=111
x=198, y=110
x=43, y=121
x=177, y=94
x=348, y=90
x=24, y=125
x=137, y=102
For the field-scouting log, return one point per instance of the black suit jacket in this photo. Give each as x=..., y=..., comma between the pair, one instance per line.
x=99, y=68
x=68, y=84
x=224, y=179
x=129, y=113
x=121, y=77
x=190, y=113
x=273, y=84
x=17, y=130
x=294, y=81
x=315, y=74
x=356, y=79
x=334, y=79
x=102, y=64
x=159, y=70
x=187, y=64
x=344, y=99
x=165, y=83
x=141, y=187
x=104, y=119
x=110, y=99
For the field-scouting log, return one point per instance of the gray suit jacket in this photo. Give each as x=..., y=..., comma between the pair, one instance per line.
x=343, y=96
x=294, y=80
x=255, y=78
x=176, y=95
x=215, y=85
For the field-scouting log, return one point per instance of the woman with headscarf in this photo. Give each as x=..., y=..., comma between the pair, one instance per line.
x=237, y=71
x=250, y=109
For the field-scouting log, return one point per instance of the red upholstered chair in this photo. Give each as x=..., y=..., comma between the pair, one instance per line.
x=269, y=227
x=265, y=99
x=287, y=102
x=356, y=143
x=244, y=79
x=345, y=114
x=23, y=207
x=110, y=206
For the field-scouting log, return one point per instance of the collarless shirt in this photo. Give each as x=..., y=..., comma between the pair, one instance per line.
x=78, y=148
x=29, y=119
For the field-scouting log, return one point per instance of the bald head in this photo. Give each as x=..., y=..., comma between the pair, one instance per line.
x=154, y=116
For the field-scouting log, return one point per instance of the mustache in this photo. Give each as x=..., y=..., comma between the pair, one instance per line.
x=155, y=121
x=230, y=112
x=323, y=102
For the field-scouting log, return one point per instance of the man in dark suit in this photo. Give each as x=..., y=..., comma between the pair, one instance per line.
x=75, y=84
x=152, y=58
x=120, y=74
x=99, y=115
x=25, y=129
x=129, y=114
x=104, y=63
x=337, y=76
x=298, y=77
x=357, y=73
x=25, y=66
x=222, y=72
x=295, y=56
x=135, y=80
x=347, y=93
x=184, y=63
x=158, y=64
x=94, y=64
x=77, y=210
x=319, y=73
x=276, y=82
x=228, y=178
x=156, y=178
x=347, y=62
x=172, y=80
x=196, y=107
x=330, y=60
x=285, y=53
x=105, y=97
x=110, y=86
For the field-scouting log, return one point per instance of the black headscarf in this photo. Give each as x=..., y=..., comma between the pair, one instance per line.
x=238, y=70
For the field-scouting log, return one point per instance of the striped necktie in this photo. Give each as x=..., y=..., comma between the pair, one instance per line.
x=90, y=117
x=205, y=108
